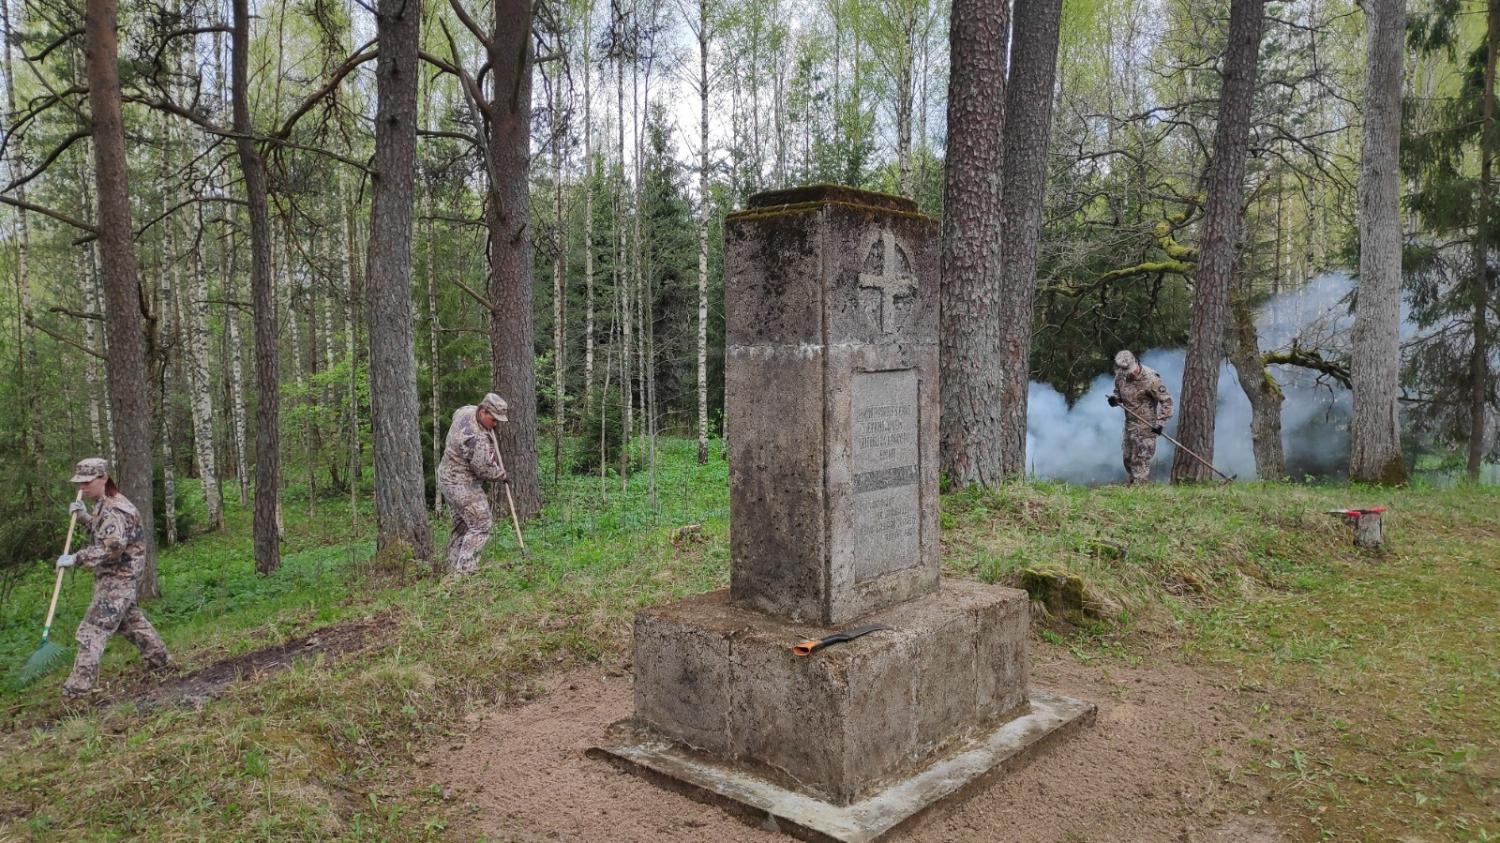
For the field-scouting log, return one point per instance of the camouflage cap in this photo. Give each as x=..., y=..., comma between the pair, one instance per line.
x=495, y=406
x=1124, y=360
x=88, y=469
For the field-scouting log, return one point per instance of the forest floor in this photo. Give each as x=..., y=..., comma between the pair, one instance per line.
x=1262, y=681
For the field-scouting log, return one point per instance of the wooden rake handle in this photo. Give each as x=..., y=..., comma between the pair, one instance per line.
x=57, y=585
x=509, y=498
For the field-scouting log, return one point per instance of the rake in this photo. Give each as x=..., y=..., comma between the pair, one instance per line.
x=50, y=655
x=509, y=498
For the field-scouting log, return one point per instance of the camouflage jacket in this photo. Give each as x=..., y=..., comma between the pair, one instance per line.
x=119, y=545
x=1145, y=395
x=467, y=456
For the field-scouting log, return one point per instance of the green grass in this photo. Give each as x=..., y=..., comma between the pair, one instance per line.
x=1384, y=668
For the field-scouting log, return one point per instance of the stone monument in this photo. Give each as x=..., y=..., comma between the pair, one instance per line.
x=831, y=304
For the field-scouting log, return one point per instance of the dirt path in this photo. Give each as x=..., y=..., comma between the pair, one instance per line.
x=1165, y=762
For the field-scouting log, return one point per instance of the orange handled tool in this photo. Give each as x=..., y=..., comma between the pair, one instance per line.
x=812, y=645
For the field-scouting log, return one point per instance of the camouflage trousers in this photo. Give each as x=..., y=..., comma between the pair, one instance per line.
x=471, y=526
x=113, y=609
x=1139, y=446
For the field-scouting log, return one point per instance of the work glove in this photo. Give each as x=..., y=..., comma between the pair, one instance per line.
x=1157, y=430
x=1113, y=401
x=78, y=508
x=66, y=560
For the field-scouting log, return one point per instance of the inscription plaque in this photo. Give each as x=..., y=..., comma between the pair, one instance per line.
x=883, y=414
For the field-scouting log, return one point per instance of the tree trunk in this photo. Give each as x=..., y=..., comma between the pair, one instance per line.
x=90, y=296
x=512, y=328
x=622, y=278
x=25, y=333
x=263, y=301
x=123, y=323
x=400, y=492
x=229, y=271
x=972, y=253
x=1261, y=388
x=1479, y=354
x=200, y=386
x=588, y=216
x=166, y=343
x=1375, y=367
x=906, y=57
x=703, y=212
x=559, y=274
x=1218, y=239
x=1028, y=125
x=435, y=405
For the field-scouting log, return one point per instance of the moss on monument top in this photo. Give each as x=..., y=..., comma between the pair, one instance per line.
x=813, y=196
x=830, y=193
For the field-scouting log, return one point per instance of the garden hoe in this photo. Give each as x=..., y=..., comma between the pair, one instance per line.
x=50, y=655
x=509, y=498
x=1227, y=478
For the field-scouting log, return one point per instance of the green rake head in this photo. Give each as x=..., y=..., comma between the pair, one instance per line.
x=47, y=658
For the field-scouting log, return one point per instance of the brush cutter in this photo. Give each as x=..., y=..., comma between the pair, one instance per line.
x=1185, y=449
x=509, y=498
x=50, y=655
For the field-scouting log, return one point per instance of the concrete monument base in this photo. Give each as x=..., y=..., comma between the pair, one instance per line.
x=850, y=741
x=944, y=781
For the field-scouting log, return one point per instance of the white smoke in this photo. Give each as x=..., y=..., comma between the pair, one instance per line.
x=1081, y=443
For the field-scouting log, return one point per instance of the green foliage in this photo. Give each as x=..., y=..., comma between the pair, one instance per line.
x=1449, y=273
x=599, y=439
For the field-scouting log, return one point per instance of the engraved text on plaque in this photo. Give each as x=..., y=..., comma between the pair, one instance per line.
x=883, y=414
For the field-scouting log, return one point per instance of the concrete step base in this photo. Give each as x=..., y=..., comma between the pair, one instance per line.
x=945, y=782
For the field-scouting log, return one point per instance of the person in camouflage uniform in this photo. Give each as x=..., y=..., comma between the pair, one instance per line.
x=1147, y=405
x=117, y=557
x=469, y=458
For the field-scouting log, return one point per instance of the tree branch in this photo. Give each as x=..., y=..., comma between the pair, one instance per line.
x=77, y=314
x=52, y=156
x=65, y=340
x=61, y=40
x=362, y=55
x=1310, y=359
x=469, y=24
x=7, y=199
x=488, y=305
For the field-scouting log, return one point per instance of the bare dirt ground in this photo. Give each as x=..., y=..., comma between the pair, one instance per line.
x=1166, y=761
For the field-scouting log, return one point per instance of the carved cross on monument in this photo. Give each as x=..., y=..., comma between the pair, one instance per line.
x=890, y=282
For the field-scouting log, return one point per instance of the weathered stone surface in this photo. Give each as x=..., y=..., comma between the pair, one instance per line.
x=831, y=300
x=938, y=786
x=721, y=679
x=832, y=403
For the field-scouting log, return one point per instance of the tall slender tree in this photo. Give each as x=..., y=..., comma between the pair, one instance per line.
x=972, y=255
x=1218, y=241
x=1028, y=124
x=400, y=496
x=704, y=36
x=263, y=303
x=1375, y=366
x=124, y=327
